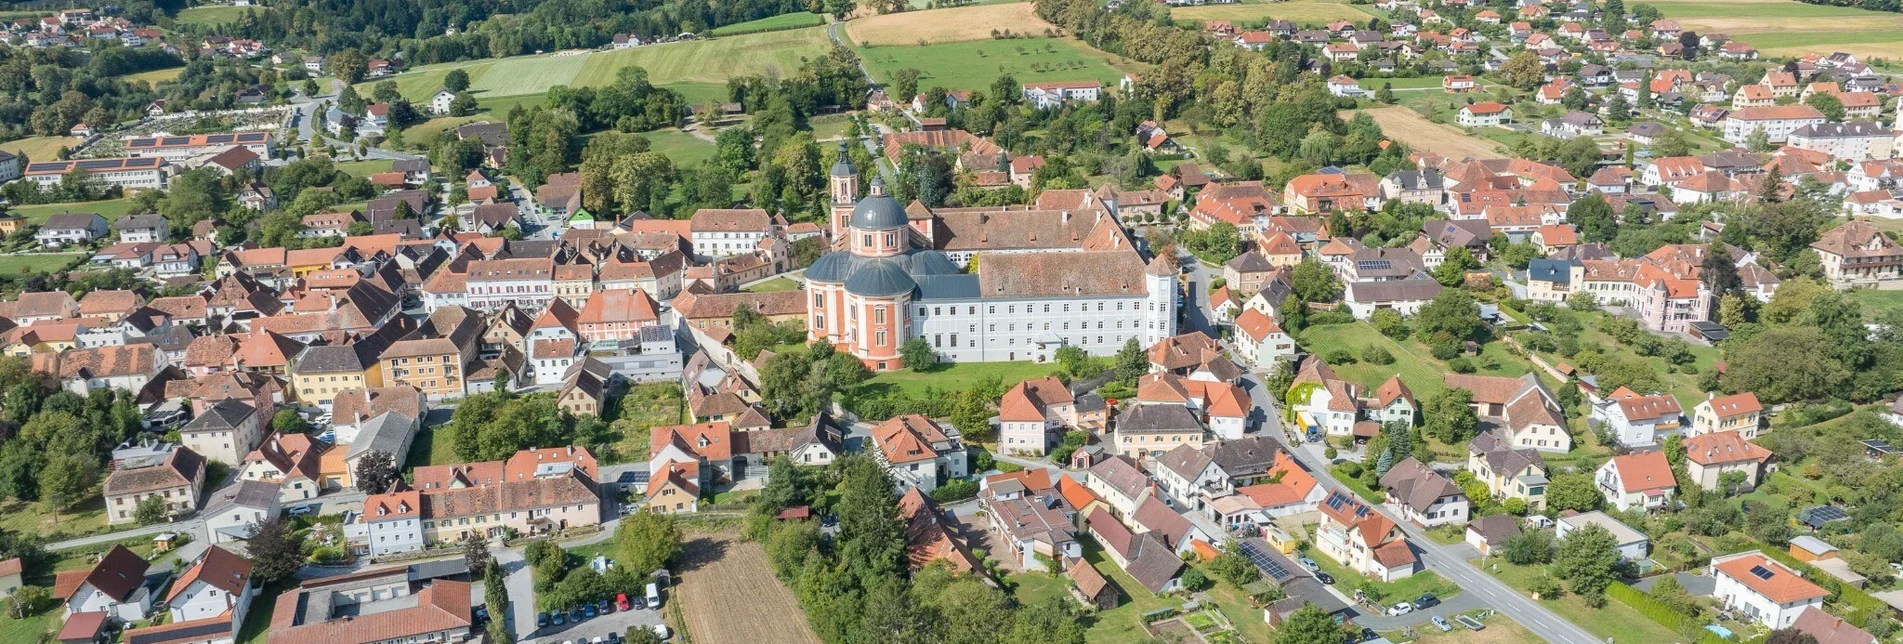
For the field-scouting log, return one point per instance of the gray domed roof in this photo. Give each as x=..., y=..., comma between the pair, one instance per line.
x=832, y=268
x=880, y=278
x=929, y=262
x=878, y=211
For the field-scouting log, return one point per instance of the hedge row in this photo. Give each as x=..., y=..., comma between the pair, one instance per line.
x=1664, y=615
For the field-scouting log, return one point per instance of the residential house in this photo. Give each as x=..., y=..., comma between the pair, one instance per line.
x=1509, y=472
x=1637, y=420
x=1485, y=114
x=1424, y=496
x=1777, y=122
x=233, y=513
x=919, y=452
x=1763, y=590
x=1363, y=540
x=1035, y=529
x=1260, y=342
x=1151, y=430
x=1033, y=414
x=1642, y=480
x=1147, y=556
x=1739, y=412
x=1857, y=254
x=1709, y=457
x=225, y=432
x=67, y=229
x=115, y=587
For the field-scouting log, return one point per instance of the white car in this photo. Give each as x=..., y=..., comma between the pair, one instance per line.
x=1400, y=609
x=660, y=630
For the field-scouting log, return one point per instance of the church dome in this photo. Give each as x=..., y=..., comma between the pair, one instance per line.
x=878, y=211
x=880, y=278
x=930, y=262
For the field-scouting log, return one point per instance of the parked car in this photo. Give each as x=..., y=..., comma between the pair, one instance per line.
x=1426, y=600
x=541, y=620
x=639, y=603
x=621, y=601
x=576, y=616
x=588, y=611
x=660, y=630
x=1441, y=623
x=1308, y=563
x=1399, y=609
x=559, y=618
x=1325, y=578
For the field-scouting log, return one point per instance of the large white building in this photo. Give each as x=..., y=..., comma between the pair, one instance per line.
x=724, y=232
x=1777, y=121
x=175, y=149
x=1046, y=96
x=1046, y=279
x=527, y=282
x=1763, y=590
x=1853, y=141
x=130, y=173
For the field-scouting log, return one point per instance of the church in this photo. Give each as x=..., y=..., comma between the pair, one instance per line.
x=981, y=284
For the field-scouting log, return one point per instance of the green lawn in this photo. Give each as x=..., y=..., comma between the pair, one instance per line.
x=1790, y=28
x=707, y=63
x=39, y=263
x=156, y=76
x=30, y=629
x=1683, y=386
x=1418, y=369
x=776, y=23
x=1619, y=622
x=31, y=518
x=39, y=148
x=773, y=285
x=258, y=619
x=829, y=126
x=1372, y=84
x=974, y=64
x=432, y=446
x=1878, y=302
x=642, y=407
x=1303, y=12
x=364, y=168
x=1354, y=483
x=211, y=16
x=111, y=209
x=683, y=148
x=957, y=376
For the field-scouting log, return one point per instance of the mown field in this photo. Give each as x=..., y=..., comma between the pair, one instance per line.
x=211, y=16
x=39, y=148
x=156, y=76
x=697, y=65
x=775, y=23
x=1298, y=12
x=975, y=64
x=1786, y=27
x=110, y=209
x=38, y=262
x=1408, y=126
x=946, y=25
x=712, y=567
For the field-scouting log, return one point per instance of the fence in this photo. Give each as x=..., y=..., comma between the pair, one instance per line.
x=1664, y=615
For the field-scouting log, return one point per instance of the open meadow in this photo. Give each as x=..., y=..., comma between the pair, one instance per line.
x=702, y=63
x=211, y=16
x=111, y=209
x=946, y=25
x=1408, y=126
x=156, y=76
x=1788, y=28
x=780, y=22
x=39, y=148
x=1305, y=13
x=975, y=64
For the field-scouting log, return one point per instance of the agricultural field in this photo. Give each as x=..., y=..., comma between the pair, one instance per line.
x=703, y=63
x=156, y=76
x=714, y=565
x=110, y=209
x=1786, y=27
x=211, y=15
x=38, y=262
x=776, y=23
x=945, y=25
x=1408, y=126
x=39, y=148
x=1301, y=12
x=975, y=64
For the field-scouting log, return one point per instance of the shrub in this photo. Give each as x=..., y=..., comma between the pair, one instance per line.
x=1194, y=580
x=1389, y=323
x=1351, y=469
x=1338, y=356
x=1461, y=365
x=1545, y=586
x=1376, y=355
x=1331, y=317
x=1443, y=351
x=955, y=490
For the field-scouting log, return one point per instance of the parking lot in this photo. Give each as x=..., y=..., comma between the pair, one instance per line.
x=617, y=622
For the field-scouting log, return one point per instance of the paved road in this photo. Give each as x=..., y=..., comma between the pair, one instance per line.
x=194, y=526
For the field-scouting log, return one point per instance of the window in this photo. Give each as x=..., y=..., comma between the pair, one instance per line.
x=878, y=315
x=879, y=337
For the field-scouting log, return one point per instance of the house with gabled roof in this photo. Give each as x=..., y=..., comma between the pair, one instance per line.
x=1031, y=415
x=117, y=586
x=1147, y=556
x=927, y=540
x=1642, y=480
x=1638, y=420
x=1037, y=529
x=1509, y=472
x=1763, y=590
x=1261, y=342
x=1424, y=496
x=1520, y=410
x=1740, y=412
x=1120, y=484
x=918, y=451
x=1710, y=456
x=1363, y=540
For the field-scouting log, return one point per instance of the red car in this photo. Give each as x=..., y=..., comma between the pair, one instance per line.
x=621, y=601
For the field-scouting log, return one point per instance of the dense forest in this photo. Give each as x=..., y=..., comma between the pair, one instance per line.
x=433, y=31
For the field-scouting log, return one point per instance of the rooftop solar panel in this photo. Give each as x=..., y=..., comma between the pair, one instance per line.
x=175, y=140
x=218, y=138
x=1268, y=564
x=1761, y=572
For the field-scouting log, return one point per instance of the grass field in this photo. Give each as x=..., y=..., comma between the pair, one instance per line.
x=1500, y=630
x=1418, y=370
x=38, y=262
x=30, y=629
x=39, y=148
x=682, y=148
x=702, y=63
x=1616, y=621
x=156, y=76
x=1298, y=12
x=1407, y=588
x=432, y=446
x=775, y=23
x=1786, y=27
x=1877, y=302
x=773, y=285
x=110, y=209
x=958, y=376
x=975, y=64
x=945, y=25
x=211, y=16
x=1408, y=126
x=1124, y=623
x=365, y=167
x=712, y=567
x=1683, y=386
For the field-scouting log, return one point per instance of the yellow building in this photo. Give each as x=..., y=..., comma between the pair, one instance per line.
x=574, y=283
x=41, y=338
x=320, y=372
